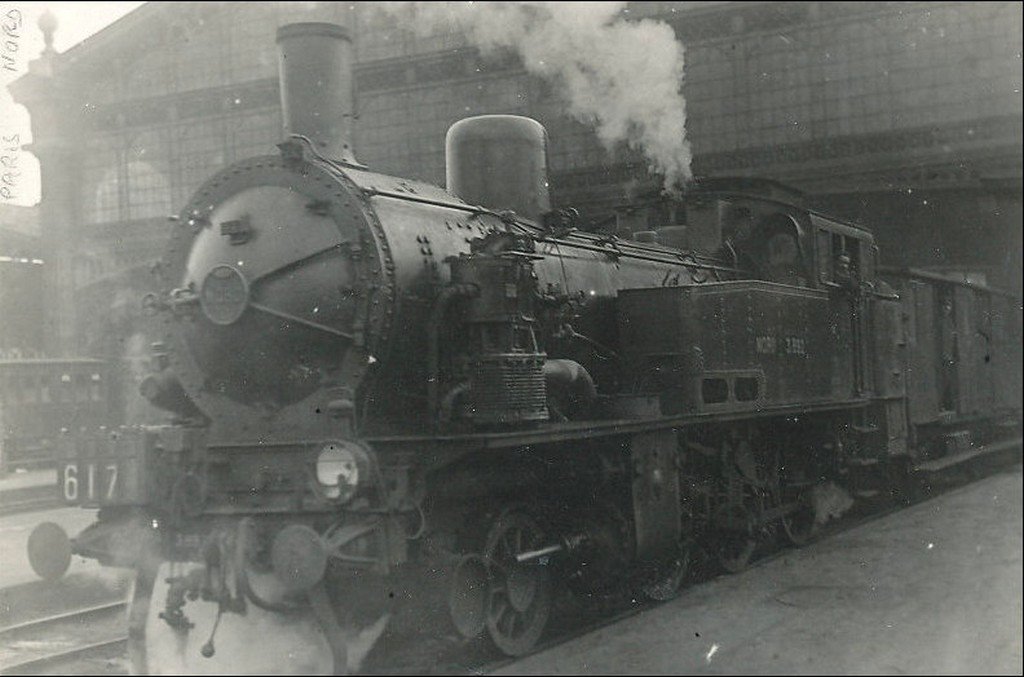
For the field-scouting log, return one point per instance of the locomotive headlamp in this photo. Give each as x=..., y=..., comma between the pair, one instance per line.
x=340, y=467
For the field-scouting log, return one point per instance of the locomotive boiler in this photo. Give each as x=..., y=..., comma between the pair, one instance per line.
x=383, y=391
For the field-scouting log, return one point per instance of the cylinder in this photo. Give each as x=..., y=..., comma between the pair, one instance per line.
x=315, y=61
x=499, y=162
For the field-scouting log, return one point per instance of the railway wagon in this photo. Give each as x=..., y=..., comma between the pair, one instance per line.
x=41, y=397
x=962, y=359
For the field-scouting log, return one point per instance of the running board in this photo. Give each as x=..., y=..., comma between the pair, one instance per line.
x=962, y=456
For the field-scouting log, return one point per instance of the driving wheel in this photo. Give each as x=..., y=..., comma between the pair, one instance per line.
x=800, y=525
x=664, y=584
x=735, y=544
x=519, y=599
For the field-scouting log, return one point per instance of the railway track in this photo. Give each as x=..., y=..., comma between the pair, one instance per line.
x=66, y=642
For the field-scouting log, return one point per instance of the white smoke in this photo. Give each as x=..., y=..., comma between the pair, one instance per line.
x=136, y=360
x=622, y=77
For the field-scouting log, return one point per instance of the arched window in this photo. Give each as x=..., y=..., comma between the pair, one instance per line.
x=106, y=196
x=149, y=191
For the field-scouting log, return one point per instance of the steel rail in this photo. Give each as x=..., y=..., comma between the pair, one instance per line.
x=36, y=630
x=67, y=615
x=35, y=664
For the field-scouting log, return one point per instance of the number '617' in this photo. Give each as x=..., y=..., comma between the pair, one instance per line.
x=96, y=481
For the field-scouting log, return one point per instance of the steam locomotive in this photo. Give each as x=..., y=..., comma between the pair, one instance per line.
x=376, y=381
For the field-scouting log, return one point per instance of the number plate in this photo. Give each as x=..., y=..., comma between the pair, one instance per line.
x=91, y=482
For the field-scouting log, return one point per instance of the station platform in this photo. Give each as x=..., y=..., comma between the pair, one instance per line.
x=932, y=589
x=28, y=478
x=28, y=489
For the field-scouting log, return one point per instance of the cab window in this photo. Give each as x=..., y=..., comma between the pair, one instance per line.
x=839, y=258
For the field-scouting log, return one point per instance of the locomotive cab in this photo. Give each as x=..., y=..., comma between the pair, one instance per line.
x=759, y=223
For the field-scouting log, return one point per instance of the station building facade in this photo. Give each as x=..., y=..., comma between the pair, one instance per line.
x=906, y=116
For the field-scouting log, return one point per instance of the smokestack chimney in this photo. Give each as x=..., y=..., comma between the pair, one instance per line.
x=316, y=86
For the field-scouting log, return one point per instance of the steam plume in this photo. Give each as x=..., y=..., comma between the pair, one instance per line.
x=623, y=77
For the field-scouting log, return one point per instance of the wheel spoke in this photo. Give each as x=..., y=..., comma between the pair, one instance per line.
x=500, y=570
x=507, y=620
x=799, y=526
x=496, y=608
x=734, y=551
x=529, y=614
